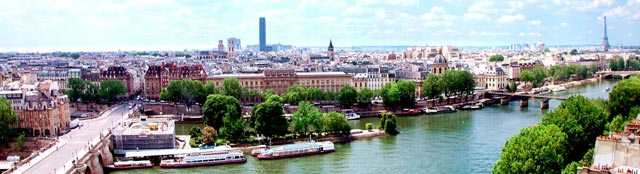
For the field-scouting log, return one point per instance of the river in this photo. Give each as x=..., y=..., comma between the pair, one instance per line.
x=461, y=142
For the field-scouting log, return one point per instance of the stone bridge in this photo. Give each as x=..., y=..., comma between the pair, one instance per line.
x=94, y=158
x=614, y=74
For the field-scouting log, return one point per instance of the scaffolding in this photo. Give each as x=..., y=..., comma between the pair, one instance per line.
x=144, y=136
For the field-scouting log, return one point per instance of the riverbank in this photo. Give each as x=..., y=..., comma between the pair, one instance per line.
x=568, y=84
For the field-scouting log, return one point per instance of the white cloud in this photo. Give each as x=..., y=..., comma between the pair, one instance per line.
x=535, y=22
x=514, y=6
x=483, y=6
x=511, y=18
x=629, y=11
x=564, y=24
x=477, y=16
x=536, y=34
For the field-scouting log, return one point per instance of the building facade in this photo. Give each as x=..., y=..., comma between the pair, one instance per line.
x=119, y=73
x=281, y=79
x=41, y=109
x=158, y=77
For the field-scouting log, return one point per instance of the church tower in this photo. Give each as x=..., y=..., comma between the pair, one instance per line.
x=330, y=51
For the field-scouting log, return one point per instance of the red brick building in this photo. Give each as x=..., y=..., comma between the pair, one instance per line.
x=119, y=73
x=158, y=77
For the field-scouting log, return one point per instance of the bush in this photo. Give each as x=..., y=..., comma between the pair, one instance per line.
x=193, y=143
x=368, y=126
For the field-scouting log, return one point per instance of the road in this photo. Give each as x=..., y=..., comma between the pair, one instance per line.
x=75, y=142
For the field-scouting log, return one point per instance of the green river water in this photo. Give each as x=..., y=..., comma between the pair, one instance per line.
x=461, y=142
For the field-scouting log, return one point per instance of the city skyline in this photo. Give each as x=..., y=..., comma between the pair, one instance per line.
x=175, y=25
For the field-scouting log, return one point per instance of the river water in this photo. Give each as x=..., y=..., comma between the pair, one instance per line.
x=461, y=142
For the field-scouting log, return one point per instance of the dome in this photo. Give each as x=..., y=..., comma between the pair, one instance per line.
x=439, y=59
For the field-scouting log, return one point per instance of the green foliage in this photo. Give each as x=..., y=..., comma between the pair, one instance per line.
x=538, y=149
x=431, y=88
x=231, y=87
x=388, y=123
x=268, y=93
x=623, y=96
x=110, y=89
x=336, y=123
x=407, y=92
x=581, y=121
x=390, y=95
x=268, y=117
x=616, y=125
x=233, y=125
x=572, y=168
x=456, y=82
x=539, y=73
x=633, y=65
x=186, y=91
x=368, y=126
x=195, y=131
x=496, y=58
x=574, y=52
x=76, y=88
x=21, y=142
x=91, y=94
x=307, y=119
x=347, y=96
x=330, y=95
x=217, y=107
x=564, y=72
x=587, y=160
x=74, y=55
x=512, y=87
x=7, y=118
x=600, y=103
x=365, y=95
x=528, y=76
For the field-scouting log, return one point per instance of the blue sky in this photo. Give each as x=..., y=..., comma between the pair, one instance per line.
x=77, y=25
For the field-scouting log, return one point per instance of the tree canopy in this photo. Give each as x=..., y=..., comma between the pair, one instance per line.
x=336, y=123
x=307, y=119
x=538, y=149
x=110, y=89
x=581, y=121
x=76, y=88
x=388, y=123
x=528, y=76
x=496, y=58
x=623, y=96
x=347, y=96
x=512, y=87
x=7, y=118
x=231, y=87
x=217, y=107
x=187, y=91
x=365, y=95
x=268, y=117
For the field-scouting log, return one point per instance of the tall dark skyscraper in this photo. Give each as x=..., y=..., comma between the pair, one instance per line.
x=263, y=34
x=605, y=39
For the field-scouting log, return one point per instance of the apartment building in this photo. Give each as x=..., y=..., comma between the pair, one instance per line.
x=281, y=79
x=158, y=77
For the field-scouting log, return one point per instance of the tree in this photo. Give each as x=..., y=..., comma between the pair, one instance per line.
x=269, y=117
x=75, y=55
x=613, y=65
x=390, y=95
x=407, y=93
x=336, y=123
x=538, y=149
x=621, y=64
x=593, y=69
x=623, y=96
x=231, y=87
x=539, y=73
x=76, y=88
x=307, y=119
x=633, y=65
x=185, y=91
x=616, y=125
x=347, y=96
x=330, y=95
x=365, y=95
x=388, y=123
x=315, y=93
x=110, y=89
x=572, y=168
x=233, y=124
x=431, y=88
x=209, y=135
x=512, y=87
x=7, y=119
x=21, y=142
x=217, y=107
x=268, y=93
x=496, y=58
x=574, y=52
x=528, y=76
x=581, y=121
x=92, y=93
x=207, y=89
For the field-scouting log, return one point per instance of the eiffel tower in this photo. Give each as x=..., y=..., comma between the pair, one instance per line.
x=605, y=39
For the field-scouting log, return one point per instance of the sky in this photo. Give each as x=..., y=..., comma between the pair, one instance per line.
x=95, y=25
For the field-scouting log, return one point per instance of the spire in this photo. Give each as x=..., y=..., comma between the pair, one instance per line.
x=330, y=44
